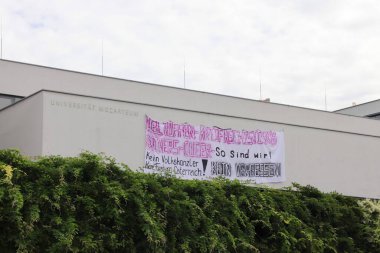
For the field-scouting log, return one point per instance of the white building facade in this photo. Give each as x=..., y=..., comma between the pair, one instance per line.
x=67, y=112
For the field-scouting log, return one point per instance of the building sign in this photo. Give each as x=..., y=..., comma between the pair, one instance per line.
x=203, y=152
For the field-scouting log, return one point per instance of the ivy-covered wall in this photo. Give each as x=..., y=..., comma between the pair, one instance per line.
x=91, y=204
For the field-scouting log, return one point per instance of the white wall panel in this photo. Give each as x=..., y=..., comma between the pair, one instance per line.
x=21, y=126
x=330, y=160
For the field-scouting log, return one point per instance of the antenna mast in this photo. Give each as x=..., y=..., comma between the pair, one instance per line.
x=261, y=98
x=184, y=72
x=102, y=57
x=325, y=98
x=1, y=38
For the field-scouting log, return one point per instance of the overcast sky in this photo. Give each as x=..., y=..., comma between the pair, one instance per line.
x=299, y=48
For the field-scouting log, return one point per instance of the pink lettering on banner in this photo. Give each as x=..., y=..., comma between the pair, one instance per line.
x=169, y=146
x=258, y=137
x=244, y=137
x=215, y=134
x=266, y=137
x=172, y=130
x=220, y=136
x=152, y=126
x=272, y=138
x=237, y=137
x=209, y=134
x=191, y=141
x=179, y=130
x=230, y=136
x=251, y=138
x=189, y=131
x=151, y=142
x=204, y=133
x=197, y=149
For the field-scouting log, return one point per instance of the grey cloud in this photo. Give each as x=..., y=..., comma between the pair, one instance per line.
x=301, y=47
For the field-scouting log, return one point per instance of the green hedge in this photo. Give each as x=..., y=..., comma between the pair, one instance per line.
x=91, y=204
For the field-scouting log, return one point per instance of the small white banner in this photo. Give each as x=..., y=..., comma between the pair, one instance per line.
x=203, y=152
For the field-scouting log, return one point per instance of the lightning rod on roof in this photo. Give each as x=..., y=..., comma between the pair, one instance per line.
x=184, y=72
x=102, y=57
x=1, y=37
x=325, y=98
x=261, y=98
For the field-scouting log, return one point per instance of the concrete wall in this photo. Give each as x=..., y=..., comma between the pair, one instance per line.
x=328, y=159
x=21, y=126
x=328, y=150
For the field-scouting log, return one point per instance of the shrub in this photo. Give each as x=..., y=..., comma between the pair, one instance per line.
x=90, y=203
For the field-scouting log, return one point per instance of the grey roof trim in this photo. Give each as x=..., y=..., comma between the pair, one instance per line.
x=353, y=106
x=161, y=85
x=217, y=114
x=179, y=88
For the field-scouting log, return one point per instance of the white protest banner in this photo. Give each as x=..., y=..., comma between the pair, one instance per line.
x=203, y=152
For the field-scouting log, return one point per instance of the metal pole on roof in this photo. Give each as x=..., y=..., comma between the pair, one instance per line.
x=325, y=98
x=102, y=57
x=261, y=98
x=1, y=38
x=184, y=72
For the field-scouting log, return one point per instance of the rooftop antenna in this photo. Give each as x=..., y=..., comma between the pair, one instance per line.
x=184, y=72
x=1, y=37
x=261, y=98
x=325, y=98
x=102, y=57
